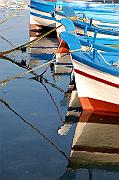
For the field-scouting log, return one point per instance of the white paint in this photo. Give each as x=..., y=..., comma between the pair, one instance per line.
x=88, y=87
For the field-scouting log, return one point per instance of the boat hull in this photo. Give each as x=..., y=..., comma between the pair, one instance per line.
x=39, y=18
x=96, y=90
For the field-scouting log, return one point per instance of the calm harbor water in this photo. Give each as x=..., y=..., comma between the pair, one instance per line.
x=32, y=113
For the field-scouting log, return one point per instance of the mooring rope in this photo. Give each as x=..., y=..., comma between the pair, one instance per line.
x=30, y=42
x=89, y=49
x=47, y=66
x=36, y=78
x=74, y=18
x=110, y=64
x=4, y=82
x=32, y=72
x=41, y=79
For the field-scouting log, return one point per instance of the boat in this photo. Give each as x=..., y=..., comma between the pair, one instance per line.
x=83, y=5
x=86, y=39
x=96, y=75
x=90, y=24
x=63, y=62
x=46, y=13
x=41, y=13
x=103, y=16
x=95, y=143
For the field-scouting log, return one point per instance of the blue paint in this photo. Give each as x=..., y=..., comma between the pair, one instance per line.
x=85, y=29
x=69, y=26
x=93, y=60
x=69, y=12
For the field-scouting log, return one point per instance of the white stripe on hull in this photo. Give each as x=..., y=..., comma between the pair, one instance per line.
x=99, y=35
x=111, y=25
x=43, y=21
x=91, y=88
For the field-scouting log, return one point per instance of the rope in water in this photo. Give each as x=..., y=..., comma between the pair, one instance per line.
x=53, y=102
x=9, y=42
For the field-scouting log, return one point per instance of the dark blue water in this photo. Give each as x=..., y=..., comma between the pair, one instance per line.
x=31, y=112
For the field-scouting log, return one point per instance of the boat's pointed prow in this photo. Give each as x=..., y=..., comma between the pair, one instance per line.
x=71, y=40
x=68, y=24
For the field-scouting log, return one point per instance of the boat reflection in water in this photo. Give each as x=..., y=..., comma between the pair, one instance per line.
x=96, y=142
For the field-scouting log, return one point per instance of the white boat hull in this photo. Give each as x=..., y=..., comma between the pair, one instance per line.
x=97, y=90
x=43, y=21
x=99, y=35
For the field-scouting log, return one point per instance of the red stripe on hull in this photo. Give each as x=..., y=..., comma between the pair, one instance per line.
x=96, y=78
x=90, y=104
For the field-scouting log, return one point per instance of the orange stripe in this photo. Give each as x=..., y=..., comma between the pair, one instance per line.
x=91, y=104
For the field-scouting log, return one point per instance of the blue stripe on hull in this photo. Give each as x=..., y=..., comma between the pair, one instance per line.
x=89, y=59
